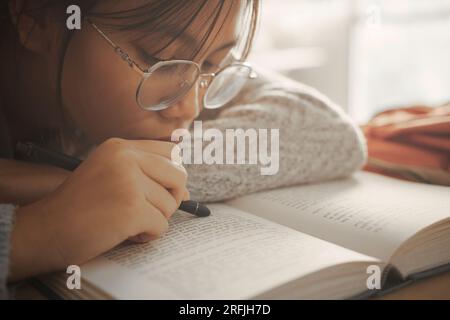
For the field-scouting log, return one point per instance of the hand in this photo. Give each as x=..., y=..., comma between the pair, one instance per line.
x=123, y=189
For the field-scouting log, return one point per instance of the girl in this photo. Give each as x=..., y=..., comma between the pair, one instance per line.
x=113, y=92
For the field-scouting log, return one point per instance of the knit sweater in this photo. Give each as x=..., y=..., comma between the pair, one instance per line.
x=317, y=142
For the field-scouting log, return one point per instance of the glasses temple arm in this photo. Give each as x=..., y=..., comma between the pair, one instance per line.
x=118, y=49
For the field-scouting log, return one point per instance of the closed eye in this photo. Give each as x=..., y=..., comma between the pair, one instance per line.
x=209, y=67
x=147, y=58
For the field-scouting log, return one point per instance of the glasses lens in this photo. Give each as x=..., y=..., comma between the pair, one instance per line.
x=166, y=84
x=226, y=85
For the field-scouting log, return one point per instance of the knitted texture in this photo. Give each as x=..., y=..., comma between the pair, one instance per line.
x=6, y=224
x=317, y=141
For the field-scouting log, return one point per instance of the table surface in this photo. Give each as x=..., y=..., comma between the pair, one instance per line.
x=437, y=287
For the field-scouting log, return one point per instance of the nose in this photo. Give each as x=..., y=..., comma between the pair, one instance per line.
x=188, y=108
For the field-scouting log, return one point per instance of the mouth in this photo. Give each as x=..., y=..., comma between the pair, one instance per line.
x=167, y=139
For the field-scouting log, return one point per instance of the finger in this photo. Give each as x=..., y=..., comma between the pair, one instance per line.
x=178, y=195
x=162, y=148
x=161, y=198
x=142, y=238
x=151, y=222
x=165, y=172
x=187, y=195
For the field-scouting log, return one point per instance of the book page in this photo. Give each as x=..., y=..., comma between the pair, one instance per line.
x=368, y=213
x=229, y=255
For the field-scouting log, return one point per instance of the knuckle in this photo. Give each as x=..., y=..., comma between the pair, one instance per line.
x=121, y=156
x=114, y=143
x=118, y=149
x=121, y=170
x=124, y=155
x=130, y=201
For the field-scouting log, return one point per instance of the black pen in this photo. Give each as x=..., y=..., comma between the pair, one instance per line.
x=31, y=152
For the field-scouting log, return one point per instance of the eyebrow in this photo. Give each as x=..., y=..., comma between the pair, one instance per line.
x=227, y=45
x=189, y=39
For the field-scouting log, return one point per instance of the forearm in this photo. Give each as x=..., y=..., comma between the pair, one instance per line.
x=23, y=183
x=6, y=226
x=316, y=142
x=20, y=183
x=23, y=246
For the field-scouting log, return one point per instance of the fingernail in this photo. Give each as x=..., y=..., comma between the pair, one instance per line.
x=176, y=156
x=143, y=237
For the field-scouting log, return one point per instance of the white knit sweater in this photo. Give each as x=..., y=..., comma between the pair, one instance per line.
x=317, y=142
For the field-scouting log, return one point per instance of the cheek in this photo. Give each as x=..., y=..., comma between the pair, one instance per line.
x=98, y=88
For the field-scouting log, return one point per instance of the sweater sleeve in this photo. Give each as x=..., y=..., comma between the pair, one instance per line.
x=317, y=140
x=6, y=225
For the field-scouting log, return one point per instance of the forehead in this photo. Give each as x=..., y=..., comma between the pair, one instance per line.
x=196, y=25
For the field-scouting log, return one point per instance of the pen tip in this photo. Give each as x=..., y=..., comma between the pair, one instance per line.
x=195, y=208
x=203, y=211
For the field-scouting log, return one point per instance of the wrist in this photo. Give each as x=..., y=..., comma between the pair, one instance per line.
x=24, y=183
x=31, y=247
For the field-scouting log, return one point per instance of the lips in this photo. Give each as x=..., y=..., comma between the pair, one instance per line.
x=168, y=139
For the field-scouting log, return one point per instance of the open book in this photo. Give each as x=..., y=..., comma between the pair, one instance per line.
x=310, y=241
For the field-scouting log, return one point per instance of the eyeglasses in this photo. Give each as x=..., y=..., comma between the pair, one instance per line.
x=167, y=82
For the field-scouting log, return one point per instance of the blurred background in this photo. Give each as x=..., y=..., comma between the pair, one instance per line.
x=367, y=55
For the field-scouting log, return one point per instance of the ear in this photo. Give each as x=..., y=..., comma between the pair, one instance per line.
x=32, y=35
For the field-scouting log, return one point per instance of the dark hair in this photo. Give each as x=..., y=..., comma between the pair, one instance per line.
x=152, y=15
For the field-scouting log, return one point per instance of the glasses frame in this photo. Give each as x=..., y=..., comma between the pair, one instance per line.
x=204, y=79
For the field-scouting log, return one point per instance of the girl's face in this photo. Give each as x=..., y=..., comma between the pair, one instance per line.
x=99, y=88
